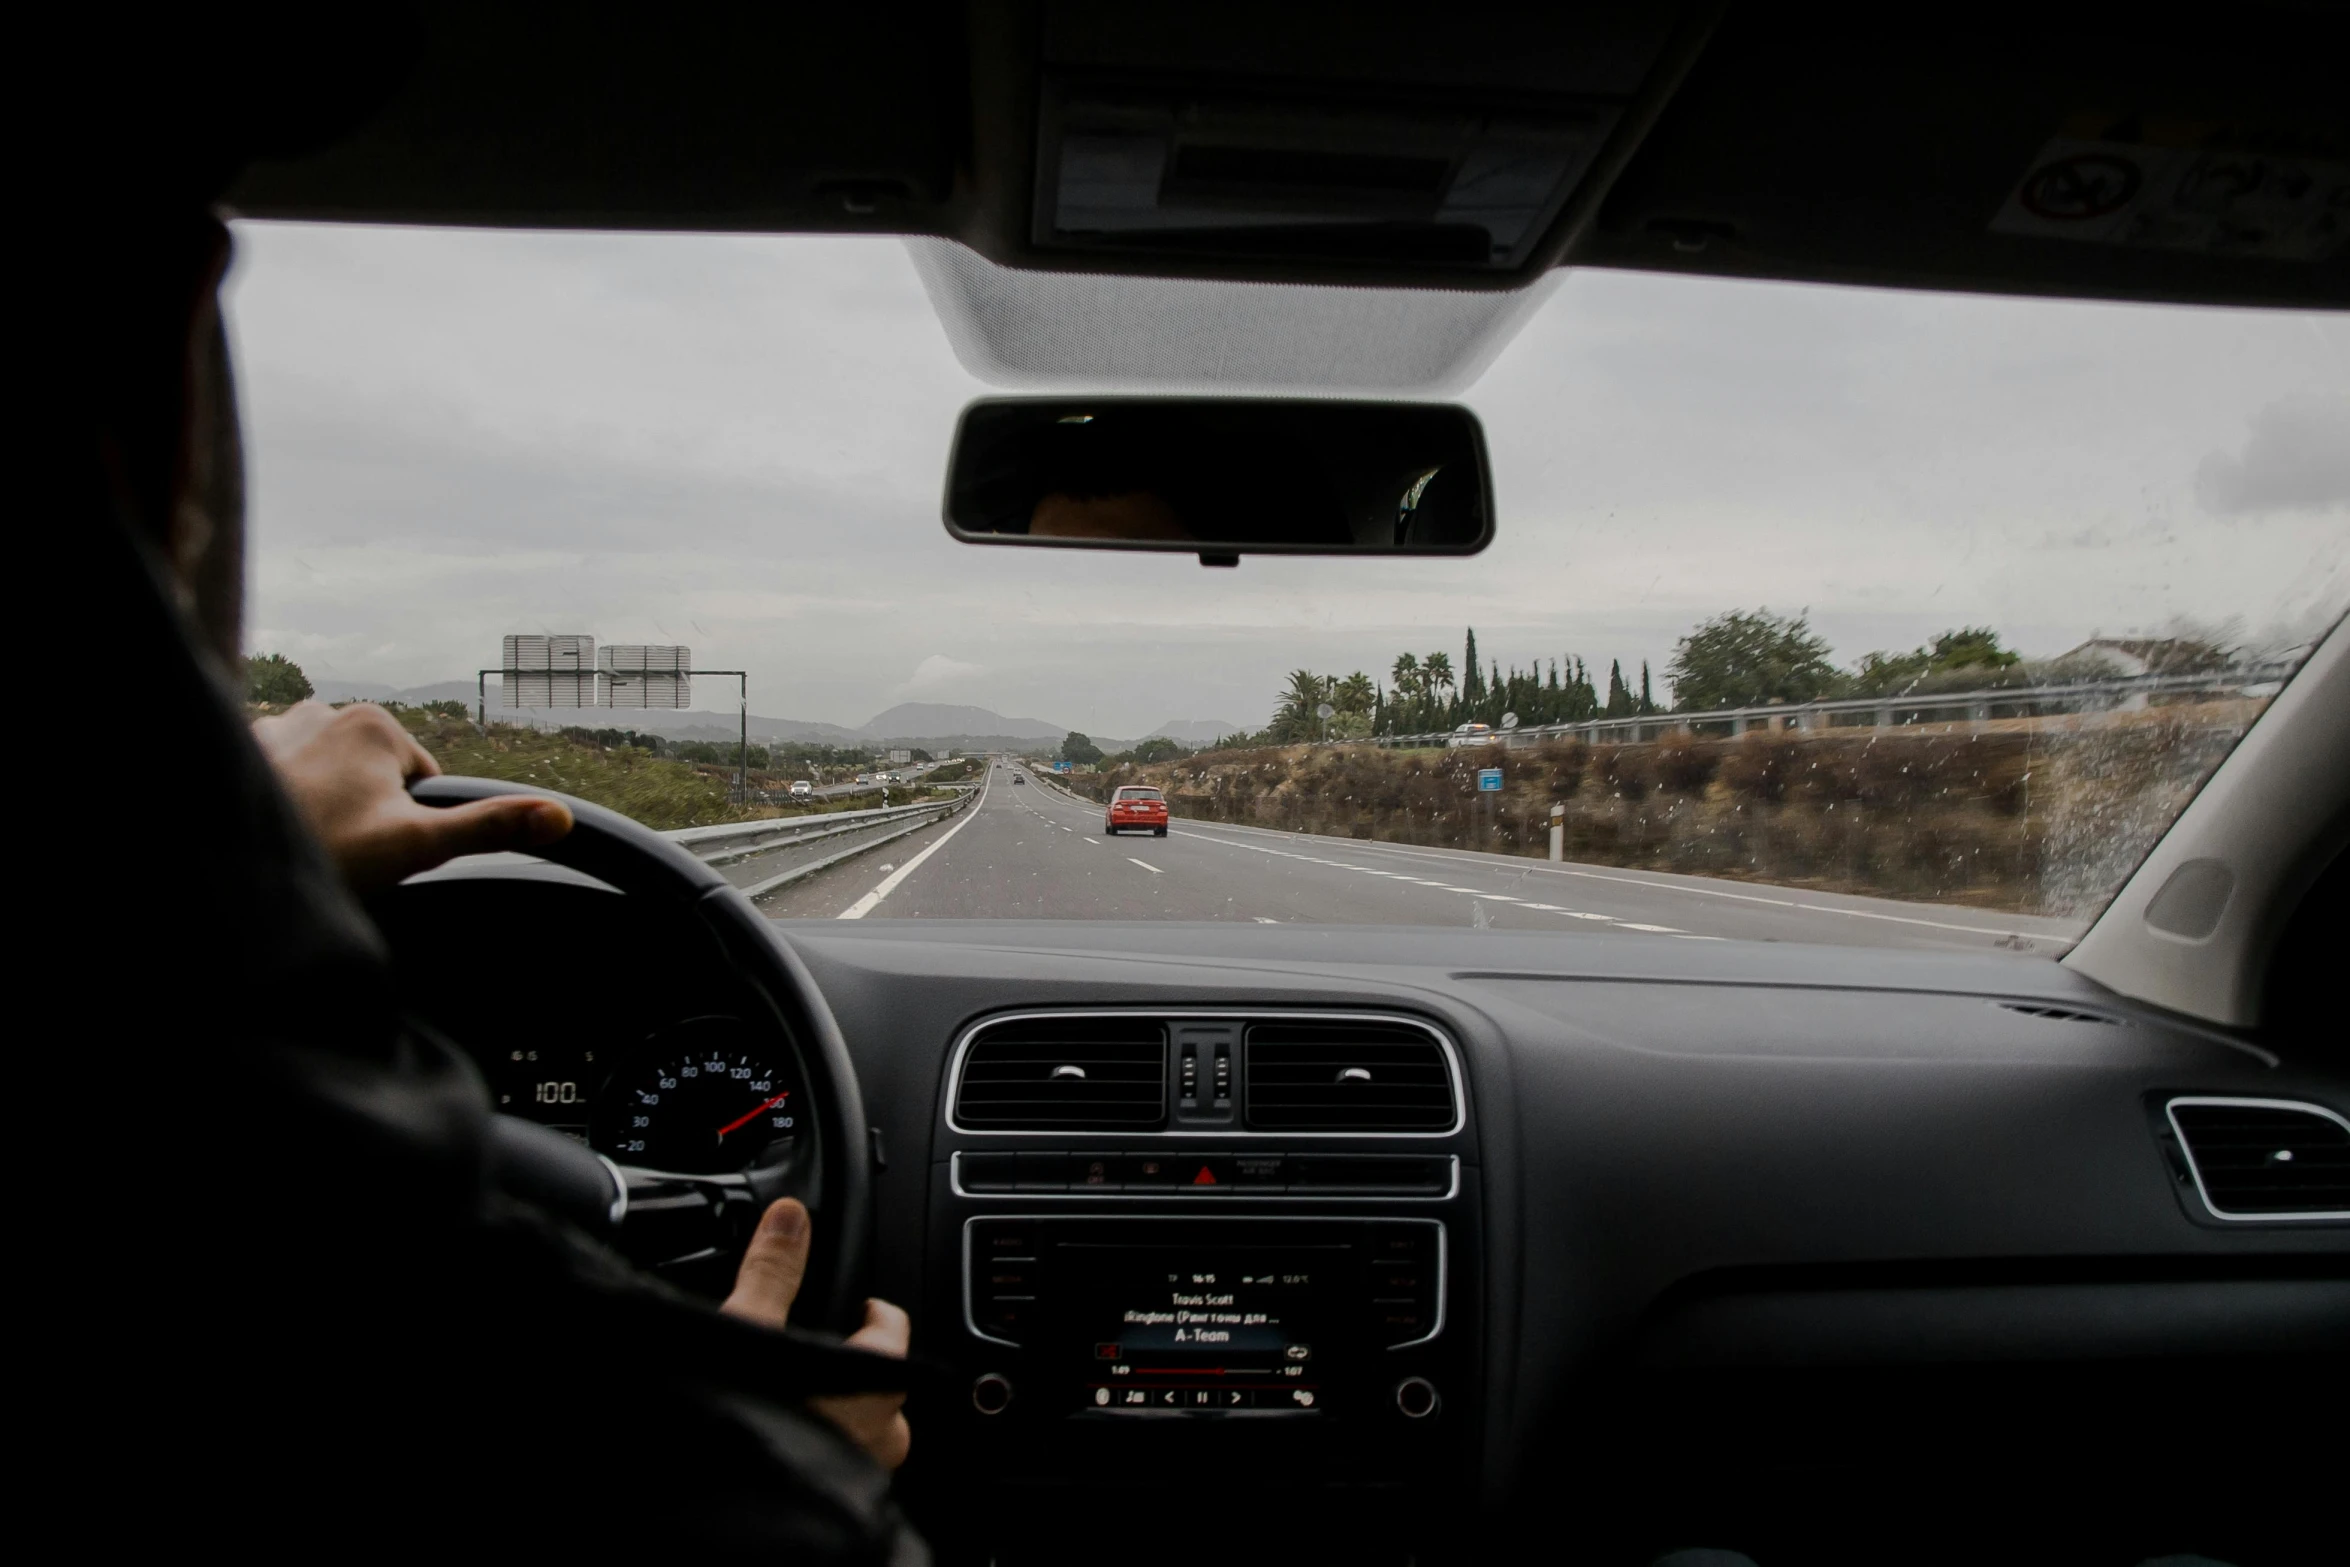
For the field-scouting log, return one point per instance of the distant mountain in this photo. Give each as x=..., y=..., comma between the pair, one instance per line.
x=915, y=719
x=1195, y=731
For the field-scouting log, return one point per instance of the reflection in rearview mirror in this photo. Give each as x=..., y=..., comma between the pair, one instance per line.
x=1222, y=477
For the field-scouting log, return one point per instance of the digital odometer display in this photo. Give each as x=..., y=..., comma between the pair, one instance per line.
x=1198, y=1329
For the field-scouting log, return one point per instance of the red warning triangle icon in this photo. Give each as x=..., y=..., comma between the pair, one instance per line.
x=1206, y=1177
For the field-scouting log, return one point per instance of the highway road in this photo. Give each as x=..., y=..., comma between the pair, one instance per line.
x=1033, y=852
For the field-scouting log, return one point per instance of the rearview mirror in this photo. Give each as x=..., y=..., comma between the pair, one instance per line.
x=1221, y=477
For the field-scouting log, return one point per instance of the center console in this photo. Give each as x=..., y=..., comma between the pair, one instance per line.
x=1261, y=1262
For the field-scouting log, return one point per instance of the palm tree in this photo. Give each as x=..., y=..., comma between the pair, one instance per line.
x=1438, y=669
x=1406, y=674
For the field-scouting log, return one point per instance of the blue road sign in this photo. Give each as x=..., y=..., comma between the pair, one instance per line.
x=1489, y=780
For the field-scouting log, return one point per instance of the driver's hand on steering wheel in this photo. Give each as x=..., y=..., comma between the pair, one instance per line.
x=348, y=770
x=764, y=1288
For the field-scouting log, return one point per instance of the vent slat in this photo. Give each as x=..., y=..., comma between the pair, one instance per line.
x=1301, y=1077
x=1009, y=1082
x=2263, y=1160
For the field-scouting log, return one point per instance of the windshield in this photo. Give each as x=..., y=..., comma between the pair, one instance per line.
x=1813, y=613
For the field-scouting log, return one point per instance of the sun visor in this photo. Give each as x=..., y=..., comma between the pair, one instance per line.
x=1033, y=330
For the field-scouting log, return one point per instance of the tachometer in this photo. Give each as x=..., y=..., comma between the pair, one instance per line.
x=702, y=1098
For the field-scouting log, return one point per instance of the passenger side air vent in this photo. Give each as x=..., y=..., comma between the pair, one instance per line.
x=1346, y=1077
x=1065, y=1074
x=2057, y=1014
x=2265, y=1158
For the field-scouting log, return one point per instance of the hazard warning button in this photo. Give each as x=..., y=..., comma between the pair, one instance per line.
x=1205, y=1173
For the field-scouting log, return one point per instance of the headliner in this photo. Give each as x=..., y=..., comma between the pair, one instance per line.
x=1786, y=141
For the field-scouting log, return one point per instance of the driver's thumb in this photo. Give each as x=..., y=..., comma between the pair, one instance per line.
x=769, y=1279
x=488, y=826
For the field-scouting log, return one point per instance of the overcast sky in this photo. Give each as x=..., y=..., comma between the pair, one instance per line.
x=738, y=444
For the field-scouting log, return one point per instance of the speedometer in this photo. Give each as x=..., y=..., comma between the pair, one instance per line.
x=704, y=1097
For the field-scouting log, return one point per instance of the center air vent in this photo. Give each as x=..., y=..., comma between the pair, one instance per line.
x=2058, y=1014
x=1065, y=1074
x=1346, y=1077
x=2266, y=1158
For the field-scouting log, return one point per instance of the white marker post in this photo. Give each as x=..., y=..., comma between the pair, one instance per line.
x=1558, y=834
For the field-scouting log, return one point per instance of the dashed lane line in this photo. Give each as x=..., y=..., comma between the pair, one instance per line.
x=1146, y=865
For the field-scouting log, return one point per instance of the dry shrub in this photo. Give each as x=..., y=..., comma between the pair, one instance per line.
x=1565, y=761
x=1757, y=766
x=1627, y=771
x=1686, y=764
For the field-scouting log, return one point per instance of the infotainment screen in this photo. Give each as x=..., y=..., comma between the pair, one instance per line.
x=1207, y=1318
x=1195, y=1328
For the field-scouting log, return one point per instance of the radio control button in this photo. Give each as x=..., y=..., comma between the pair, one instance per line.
x=991, y=1394
x=1415, y=1398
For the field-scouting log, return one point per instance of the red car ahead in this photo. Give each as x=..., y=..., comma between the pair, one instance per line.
x=1136, y=808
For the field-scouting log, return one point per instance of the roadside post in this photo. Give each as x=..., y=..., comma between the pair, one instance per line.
x=1558, y=833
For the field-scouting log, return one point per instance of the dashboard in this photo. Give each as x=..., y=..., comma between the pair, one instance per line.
x=1387, y=1241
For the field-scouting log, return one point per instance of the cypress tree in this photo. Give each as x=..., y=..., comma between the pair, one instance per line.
x=1472, y=678
x=1619, y=700
x=1647, y=703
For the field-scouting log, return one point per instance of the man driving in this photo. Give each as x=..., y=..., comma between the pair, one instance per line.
x=327, y=1330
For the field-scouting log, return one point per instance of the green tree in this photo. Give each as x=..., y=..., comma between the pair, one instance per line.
x=1080, y=751
x=1745, y=660
x=277, y=680
x=1619, y=700
x=1472, y=682
x=1158, y=748
x=1354, y=694
x=1970, y=648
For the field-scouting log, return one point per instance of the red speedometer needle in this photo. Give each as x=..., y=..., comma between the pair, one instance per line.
x=751, y=1114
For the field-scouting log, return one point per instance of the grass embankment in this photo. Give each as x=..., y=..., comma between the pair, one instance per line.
x=2045, y=818
x=661, y=794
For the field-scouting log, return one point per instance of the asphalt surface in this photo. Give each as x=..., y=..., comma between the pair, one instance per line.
x=1033, y=852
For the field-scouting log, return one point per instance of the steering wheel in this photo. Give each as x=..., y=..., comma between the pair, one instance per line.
x=835, y=1176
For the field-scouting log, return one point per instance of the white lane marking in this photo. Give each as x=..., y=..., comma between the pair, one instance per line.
x=1577, y=914
x=1262, y=920
x=1547, y=908
x=1662, y=930
x=897, y=878
x=1652, y=886
x=1499, y=897
x=1471, y=891
x=1146, y=865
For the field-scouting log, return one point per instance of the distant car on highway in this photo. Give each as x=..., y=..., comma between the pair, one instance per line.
x=1019, y=778
x=1136, y=807
x=802, y=788
x=864, y=778
x=1474, y=734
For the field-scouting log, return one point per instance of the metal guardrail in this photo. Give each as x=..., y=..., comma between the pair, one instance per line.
x=2121, y=693
x=732, y=843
